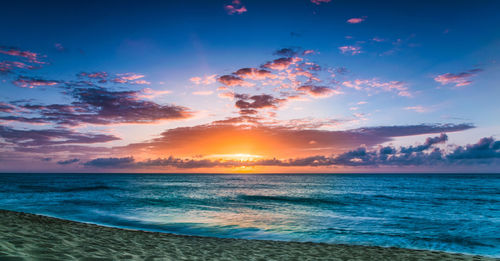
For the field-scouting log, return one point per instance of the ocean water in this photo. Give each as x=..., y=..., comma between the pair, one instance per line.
x=449, y=212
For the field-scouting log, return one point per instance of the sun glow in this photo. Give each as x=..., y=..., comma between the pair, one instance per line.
x=242, y=157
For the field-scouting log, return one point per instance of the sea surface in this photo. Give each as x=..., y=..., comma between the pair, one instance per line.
x=449, y=212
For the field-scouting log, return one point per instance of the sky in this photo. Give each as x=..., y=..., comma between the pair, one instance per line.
x=248, y=86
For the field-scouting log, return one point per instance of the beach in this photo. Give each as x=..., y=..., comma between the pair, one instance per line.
x=26, y=236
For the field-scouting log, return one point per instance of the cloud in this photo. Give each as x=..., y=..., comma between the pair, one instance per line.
x=59, y=47
x=5, y=107
x=235, y=7
x=121, y=78
x=231, y=80
x=257, y=101
x=68, y=162
x=9, y=66
x=30, y=82
x=149, y=93
x=94, y=75
x=45, y=137
x=248, y=133
x=281, y=63
x=286, y=52
x=318, y=91
x=417, y=108
x=255, y=74
x=202, y=93
x=375, y=85
x=355, y=20
x=318, y=2
x=110, y=162
x=487, y=150
x=31, y=57
x=458, y=79
x=205, y=80
x=349, y=49
x=428, y=143
x=97, y=105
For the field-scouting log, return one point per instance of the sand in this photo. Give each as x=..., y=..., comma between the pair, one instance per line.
x=34, y=237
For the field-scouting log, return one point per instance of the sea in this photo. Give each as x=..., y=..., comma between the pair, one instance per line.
x=448, y=212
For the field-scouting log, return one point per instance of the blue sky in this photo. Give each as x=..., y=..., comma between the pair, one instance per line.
x=131, y=74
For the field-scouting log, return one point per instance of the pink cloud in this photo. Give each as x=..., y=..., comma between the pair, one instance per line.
x=318, y=2
x=355, y=20
x=417, y=108
x=231, y=80
x=377, y=39
x=205, y=80
x=459, y=79
x=142, y=82
x=27, y=82
x=130, y=76
x=7, y=66
x=149, y=93
x=373, y=84
x=203, y=93
x=282, y=63
x=255, y=74
x=349, y=49
x=30, y=56
x=235, y=8
x=318, y=91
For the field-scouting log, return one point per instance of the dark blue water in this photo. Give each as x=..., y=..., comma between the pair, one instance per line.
x=456, y=213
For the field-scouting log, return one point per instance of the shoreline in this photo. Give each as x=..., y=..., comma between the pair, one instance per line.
x=28, y=236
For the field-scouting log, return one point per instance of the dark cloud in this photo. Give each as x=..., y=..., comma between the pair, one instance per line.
x=97, y=105
x=486, y=148
x=257, y=102
x=110, y=162
x=428, y=143
x=5, y=107
x=287, y=52
x=231, y=80
x=27, y=138
x=67, y=162
x=409, y=130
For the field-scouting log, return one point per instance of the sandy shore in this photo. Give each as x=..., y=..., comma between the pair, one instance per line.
x=34, y=237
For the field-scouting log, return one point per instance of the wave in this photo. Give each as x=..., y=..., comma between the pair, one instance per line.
x=38, y=188
x=290, y=199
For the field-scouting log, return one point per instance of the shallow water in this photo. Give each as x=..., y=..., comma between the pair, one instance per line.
x=450, y=212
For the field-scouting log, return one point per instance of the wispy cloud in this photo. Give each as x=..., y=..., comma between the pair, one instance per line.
x=458, y=79
x=318, y=2
x=204, y=80
x=204, y=93
x=32, y=57
x=318, y=91
x=236, y=7
x=30, y=82
x=376, y=85
x=350, y=49
x=356, y=20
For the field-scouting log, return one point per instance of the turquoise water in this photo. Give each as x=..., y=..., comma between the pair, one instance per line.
x=450, y=212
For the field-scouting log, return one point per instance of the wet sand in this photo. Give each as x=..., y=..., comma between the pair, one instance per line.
x=34, y=237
